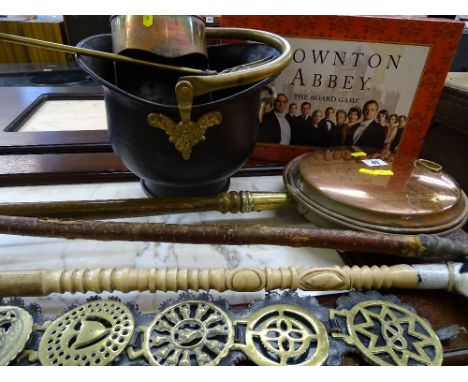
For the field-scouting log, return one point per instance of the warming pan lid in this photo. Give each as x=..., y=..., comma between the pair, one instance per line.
x=396, y=194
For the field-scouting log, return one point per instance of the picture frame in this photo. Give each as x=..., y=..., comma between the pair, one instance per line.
x=32, y=108
x=437, y=38
x=52, y=157
x=18, y=105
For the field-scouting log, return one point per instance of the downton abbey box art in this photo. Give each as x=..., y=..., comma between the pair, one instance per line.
x=356, y=81
x=336, y=86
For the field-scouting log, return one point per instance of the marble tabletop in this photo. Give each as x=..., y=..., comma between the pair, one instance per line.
x=26, y=253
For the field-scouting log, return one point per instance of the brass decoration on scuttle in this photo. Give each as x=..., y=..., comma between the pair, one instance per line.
x=388, y=334
x=188, y=333
x=185, y=134
x=91, y=334
x=16, y=325
x=280, y=335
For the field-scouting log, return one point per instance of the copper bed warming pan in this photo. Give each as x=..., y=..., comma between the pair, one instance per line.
x=400, y=208
x=330, y=187
x=337, y=188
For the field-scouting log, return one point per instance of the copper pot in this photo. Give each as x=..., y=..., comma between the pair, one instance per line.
x=171, y=37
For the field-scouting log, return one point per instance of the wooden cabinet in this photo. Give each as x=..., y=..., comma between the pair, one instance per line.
x=48, y=30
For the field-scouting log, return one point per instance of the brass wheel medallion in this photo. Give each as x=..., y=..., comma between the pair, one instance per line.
x=389, y=334
x=91, y=334
x=193, y=332
x=285, y=335
x=15, y=328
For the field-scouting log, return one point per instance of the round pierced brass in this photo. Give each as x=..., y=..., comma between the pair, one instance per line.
x=91, y=334
x=189, y=333
x=15, y=328
x=388, y=334
x=285, y=335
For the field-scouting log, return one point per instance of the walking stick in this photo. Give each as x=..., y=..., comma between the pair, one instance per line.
x=425, y=247
x=450, y=277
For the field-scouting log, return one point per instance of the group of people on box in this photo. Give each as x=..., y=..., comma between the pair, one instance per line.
x=367, y=127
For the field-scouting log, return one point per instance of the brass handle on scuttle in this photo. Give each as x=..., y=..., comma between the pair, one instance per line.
x=209, y=83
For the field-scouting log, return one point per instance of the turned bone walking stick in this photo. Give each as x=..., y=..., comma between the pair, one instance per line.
x=451, y=277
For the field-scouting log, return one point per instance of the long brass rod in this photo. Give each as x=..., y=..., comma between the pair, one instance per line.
x=95, y=53
x=44, y=282
x=243, y=201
